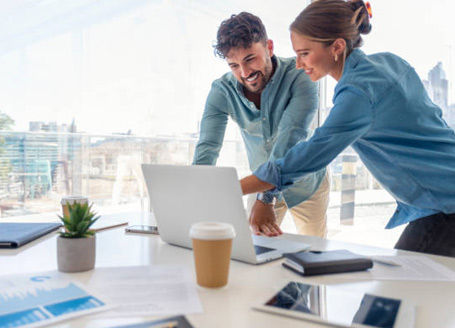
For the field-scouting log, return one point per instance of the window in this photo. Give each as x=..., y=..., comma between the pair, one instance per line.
x=96, y=88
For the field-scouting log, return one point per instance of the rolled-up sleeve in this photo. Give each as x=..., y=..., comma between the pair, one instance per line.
x=349, y=119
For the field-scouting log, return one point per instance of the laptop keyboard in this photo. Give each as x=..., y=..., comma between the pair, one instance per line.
x=261, y=249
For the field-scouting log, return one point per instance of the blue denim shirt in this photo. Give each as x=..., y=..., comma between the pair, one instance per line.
x=288, y=105
x=382, y=109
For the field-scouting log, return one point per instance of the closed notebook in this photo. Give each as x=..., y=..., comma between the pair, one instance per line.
x=13, y=235
x=308, y=263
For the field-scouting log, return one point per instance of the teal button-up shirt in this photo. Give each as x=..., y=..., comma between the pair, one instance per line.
x=382, y=109
x=289, y=103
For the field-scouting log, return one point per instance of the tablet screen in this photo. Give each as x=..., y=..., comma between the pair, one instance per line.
x=335, y=305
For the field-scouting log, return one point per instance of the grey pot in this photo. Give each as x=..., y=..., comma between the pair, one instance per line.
x=76, y=254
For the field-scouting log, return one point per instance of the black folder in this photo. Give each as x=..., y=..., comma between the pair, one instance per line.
x=309, y=263
x=14, y=235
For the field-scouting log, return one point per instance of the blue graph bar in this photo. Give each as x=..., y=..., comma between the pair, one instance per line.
x=74, y=305
x=37, y=295
x=22, y=318
x=42, y=302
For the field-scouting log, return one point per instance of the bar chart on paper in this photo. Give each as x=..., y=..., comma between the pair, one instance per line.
x=43, y=300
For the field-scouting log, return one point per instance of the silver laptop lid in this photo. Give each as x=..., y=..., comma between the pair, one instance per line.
x=183, y=195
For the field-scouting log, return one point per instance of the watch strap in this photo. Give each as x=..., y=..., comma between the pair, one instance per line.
x=266, y=198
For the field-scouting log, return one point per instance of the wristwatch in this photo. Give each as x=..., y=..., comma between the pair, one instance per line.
x=266, y=198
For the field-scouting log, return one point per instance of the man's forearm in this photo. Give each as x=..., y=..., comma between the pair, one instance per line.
x=251, y=184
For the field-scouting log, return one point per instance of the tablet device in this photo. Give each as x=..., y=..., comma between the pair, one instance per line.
x=337, y=306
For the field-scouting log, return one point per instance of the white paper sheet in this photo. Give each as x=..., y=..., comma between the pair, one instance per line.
x=147, y=290
x=419, y=268
x=41, y=299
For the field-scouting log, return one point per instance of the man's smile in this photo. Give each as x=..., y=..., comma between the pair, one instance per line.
x=253, y=77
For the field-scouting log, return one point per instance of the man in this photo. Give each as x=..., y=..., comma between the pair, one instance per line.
x=274, y=104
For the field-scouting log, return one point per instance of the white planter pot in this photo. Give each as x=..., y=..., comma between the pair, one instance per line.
x=76, y=254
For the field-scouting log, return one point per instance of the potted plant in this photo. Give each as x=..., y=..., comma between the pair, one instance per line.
x=76, y=245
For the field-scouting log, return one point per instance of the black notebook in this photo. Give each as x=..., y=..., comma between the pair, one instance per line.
x=309, y=263
x=13, y=235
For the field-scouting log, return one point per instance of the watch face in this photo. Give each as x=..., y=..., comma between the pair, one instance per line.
x=266, y=198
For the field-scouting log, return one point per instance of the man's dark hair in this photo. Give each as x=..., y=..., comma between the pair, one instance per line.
x=240, y=30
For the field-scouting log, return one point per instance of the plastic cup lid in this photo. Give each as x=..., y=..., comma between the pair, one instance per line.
x=211, y=230
x=74, y=199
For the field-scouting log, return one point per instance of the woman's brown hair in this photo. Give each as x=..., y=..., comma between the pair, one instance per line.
x=327, y=20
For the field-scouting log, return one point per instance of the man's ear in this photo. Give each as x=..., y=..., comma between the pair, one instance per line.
x=270, y=47
x=338, y=47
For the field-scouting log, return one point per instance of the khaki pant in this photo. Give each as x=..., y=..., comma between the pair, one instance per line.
x=310, y=216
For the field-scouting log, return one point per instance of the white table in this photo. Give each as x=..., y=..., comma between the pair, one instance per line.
x=248, y=284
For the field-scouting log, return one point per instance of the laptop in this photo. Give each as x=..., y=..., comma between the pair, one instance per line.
x=183, y=195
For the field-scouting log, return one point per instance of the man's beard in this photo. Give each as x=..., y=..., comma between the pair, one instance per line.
x=261, y=81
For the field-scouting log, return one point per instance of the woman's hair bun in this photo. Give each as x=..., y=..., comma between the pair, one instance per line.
x=363, y=19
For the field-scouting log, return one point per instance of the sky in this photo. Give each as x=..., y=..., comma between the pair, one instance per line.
x=419, y=31
x=147, y=66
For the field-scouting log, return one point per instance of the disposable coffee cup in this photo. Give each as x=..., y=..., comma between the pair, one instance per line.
x=71, y=200
x=212, y=244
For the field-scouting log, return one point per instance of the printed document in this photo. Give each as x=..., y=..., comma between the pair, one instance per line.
x=418, y=268
x=41, y=299
x=147, y=290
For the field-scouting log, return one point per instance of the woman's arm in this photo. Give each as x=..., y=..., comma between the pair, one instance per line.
x=349, y=119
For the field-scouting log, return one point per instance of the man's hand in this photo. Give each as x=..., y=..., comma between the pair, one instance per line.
x=263, y=220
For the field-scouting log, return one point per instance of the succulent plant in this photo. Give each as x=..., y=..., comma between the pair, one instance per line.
x=78, y=222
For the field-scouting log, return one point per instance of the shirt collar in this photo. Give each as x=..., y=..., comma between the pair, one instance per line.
x=354, y=57
x=351, y=62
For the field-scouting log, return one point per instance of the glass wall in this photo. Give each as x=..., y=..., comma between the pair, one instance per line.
x=39, y=167
x=97, y=87
x=90, y=89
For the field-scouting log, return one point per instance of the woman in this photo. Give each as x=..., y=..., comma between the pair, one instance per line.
x=382, y=110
